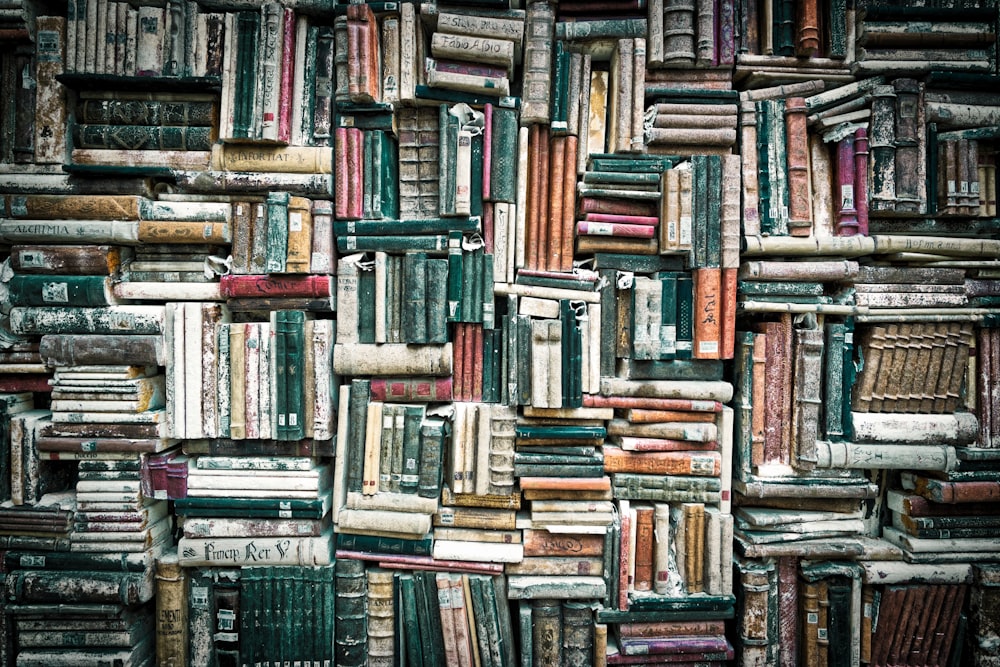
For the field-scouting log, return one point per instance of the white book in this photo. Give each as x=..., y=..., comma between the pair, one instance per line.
x=481, y=552
x=325, y=401
x=267, y=417
x=381, y=291
x=411, y=525
x=268, y=463
x=534, y=587
x=238, y=551
x=299, y=89
x=519, y=215
x=391, y=502
x=340, y=470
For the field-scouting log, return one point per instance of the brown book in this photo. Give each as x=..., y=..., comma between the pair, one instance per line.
x=81, y=207
x=758, y=414
x=550, y=248
x=899, y=652
x=544, y=543
x=809, y=596
x=888, y=616
x=872, y=347
x=694, y=538
x=177, y=232
x=670, y=628
x=588, y=244
x=87, y=430
x=924, y=631
x=945, y=631
x=797, y=153
x=938, y=341
x=777, y=391
x=569, y=204
x=643, y=547
x=546, y=632
x=867, y=615
x=886, y=368
x=67, y=259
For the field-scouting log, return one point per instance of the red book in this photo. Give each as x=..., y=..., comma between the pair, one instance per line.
x=355, y=172
x=235, y=286
x=341, y=175
x=411, y=389
x=487, y=161
x=557, y=181
x=861, y=179
x=807, y=25
x=727, y=332
x=477, y=362
x=797, y=153
x=788, y=609
x=287, y=70
x=846, y=214
x=544, y=190
x=620, y=206
x=777, y=383
x=621, y=218
x=593, y=228
x=16, y=382
x=458, y=366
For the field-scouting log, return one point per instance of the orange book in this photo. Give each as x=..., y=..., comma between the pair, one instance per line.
x=535, y=201
x=727, y=333
x=569, y=205
x=707, y=312
x=566, y=483
x=641, y=415
x=643, y=548
x=706, y=463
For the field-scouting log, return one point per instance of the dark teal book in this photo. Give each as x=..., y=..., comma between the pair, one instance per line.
x=685, y=316
x=489, y=377
x=414, y=298
x=431, y=243
x=609, y=320
x=263, y=508
x=58, y=290
x=572, y=356
x=357, y=420
x=279, y=369
x=779, y=288
x=252, y=632
x=448, y=126
x=569, y=282
x=560, y=88
x=706, y=370
x=295, y=416
x=366, y=303
x=713, y=220
x=455, y=276
x=529, y=456
x=389, y=227
x=431, y=634
x=409, y=612
x=476, y=183
x=277, y=232
x=484, y=607
x=558, y=470
x=247, y=41
x=424, y=92
x=433, y=435
x=351, y=618
x=764, y=165
x=851, y=369
x=699, y=211
x=680, y=612
x=665, y=92
x=637, y=263
x=562, y=432
x=503, y=156
x=743, y=402
x=632, y=164
x=437, y=300
x=784, y=27
x=384, y=545
x=523, y=324
x=488, y=304
x=700, y=602
x=835, y=334
x=226, y=620
x=409, y=477
x=836, y=21
x=385, y=171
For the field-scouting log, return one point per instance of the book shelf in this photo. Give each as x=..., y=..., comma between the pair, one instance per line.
x=499, y=333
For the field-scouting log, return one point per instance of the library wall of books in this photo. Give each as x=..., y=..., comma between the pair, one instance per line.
x=499, y=333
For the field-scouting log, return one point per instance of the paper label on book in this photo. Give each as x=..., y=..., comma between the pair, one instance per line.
x=198, y=597
x=708, y=347
x=812, y=618
x=600, y=228
x=19, y=206
x=32, y=560
x=56, y=292
x=685, y=230
x=624, y=279
x=847, y=196
x=703, y=465
x=294, y=221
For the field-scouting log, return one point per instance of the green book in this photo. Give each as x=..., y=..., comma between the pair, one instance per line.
x=436, y=290
x=765, y=166
x=700, y=602
x=357, y=421
x=609, y=177
x=410, y=614
x=489, y=377
x=414, y=305
x=251, y=630
x=558, y=470
x=253, y=507
x=476, y=184
x=385, y=176
x=523, y=323
x=431, y=635
x=437, y=243
x=485, y=604
x=387, y=545
x=565, y=432
x=637, y=263
x=743, y=402
x=699, y=211
x=503, y=156
x=488, y=307
x=705, y=370
x=425, y=92
x=278, y=361
x=447, y=160
x=609, y=323
x=57, y=290
x=366, y=304
x=295, y=344
x=410, y=456
x=713, y=221
x=685, y=316
x=619, y=28
x=560, y=88
x=633, y=164
x=351, y=626
x=558, y=283
x=572, y=357
x=247, y=41
x=433, y=435
x=277, y=232
x=387, y=227
x=455, y=276
x=552, y=457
